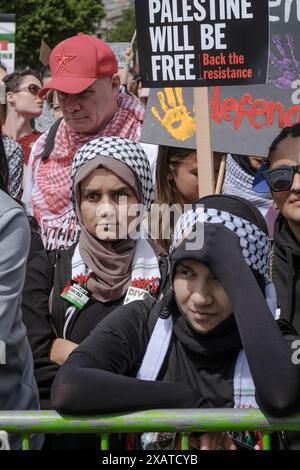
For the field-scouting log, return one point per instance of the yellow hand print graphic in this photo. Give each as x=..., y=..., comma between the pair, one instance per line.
x=177, y=120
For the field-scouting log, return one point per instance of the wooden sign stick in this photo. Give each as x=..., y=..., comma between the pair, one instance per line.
x=221, y=175
x=203, y=142
x=133, y=39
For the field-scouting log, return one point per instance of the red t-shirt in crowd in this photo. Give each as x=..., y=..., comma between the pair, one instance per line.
x=26, y=143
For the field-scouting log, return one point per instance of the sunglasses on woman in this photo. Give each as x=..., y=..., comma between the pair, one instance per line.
x=281, y=179
x=32, y=88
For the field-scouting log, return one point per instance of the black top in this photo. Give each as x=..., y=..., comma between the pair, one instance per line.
x=286, y=271
x=99, y=375
x=43, y=286
x=36, y=245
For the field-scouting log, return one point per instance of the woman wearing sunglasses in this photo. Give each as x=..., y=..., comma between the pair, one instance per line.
x=283, y=178
x=22, y=105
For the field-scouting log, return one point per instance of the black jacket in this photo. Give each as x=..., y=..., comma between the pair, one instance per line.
x=44, y=311
x=286, y=272
x=99, y=376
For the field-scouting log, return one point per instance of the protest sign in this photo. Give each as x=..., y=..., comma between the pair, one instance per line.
x=119, y=49
x=206, y=182
x=244, y=119
x=192, y=43
x=7, y=40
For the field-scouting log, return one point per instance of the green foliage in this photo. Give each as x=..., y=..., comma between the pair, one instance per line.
x=50, y=20
x=124, y=28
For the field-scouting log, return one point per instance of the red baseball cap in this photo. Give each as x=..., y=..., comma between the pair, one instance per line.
x=77, y=62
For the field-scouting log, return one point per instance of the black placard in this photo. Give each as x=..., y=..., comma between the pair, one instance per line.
x=202, y=42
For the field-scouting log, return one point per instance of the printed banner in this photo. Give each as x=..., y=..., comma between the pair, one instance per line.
x=193, y=43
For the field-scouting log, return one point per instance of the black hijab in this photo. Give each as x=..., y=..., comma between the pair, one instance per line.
x=204, y=361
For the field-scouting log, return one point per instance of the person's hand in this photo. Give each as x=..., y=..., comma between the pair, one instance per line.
x=4, y=442
x=286, y=64
x=216, y=440
x=213, y=441
x=61, y=349
x=222, y=254
x=128, y=56
x=222, y=247
x=217, y=247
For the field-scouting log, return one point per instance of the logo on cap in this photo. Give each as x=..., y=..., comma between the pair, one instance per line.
x=62, y=60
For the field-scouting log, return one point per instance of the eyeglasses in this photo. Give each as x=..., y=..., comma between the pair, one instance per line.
x=281, y=179
x=32, y=88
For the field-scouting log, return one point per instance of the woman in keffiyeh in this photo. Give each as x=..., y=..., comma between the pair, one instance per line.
x=67, y=292
x=211, y=342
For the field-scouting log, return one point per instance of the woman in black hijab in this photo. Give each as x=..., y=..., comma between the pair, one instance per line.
x=197, y=346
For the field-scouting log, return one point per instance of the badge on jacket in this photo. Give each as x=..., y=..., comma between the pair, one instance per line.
x=76, y=291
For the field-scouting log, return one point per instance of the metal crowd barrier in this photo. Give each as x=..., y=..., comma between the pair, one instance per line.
x=182, y=421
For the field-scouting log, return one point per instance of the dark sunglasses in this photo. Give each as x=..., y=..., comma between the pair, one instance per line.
x=281, y=179
x=32, y=88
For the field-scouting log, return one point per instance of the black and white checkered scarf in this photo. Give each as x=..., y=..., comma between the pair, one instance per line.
x=239, y=182
x=255, y=244
x=124, y=150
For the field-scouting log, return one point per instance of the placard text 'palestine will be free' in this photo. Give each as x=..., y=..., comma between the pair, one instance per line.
x=202, y=42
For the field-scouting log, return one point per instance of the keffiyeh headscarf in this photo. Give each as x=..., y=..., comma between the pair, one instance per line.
x=120, y=149
x=238, y=182
x=255, y=243
x=110, y=261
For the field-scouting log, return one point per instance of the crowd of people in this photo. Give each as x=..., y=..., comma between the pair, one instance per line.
x=112, y=302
